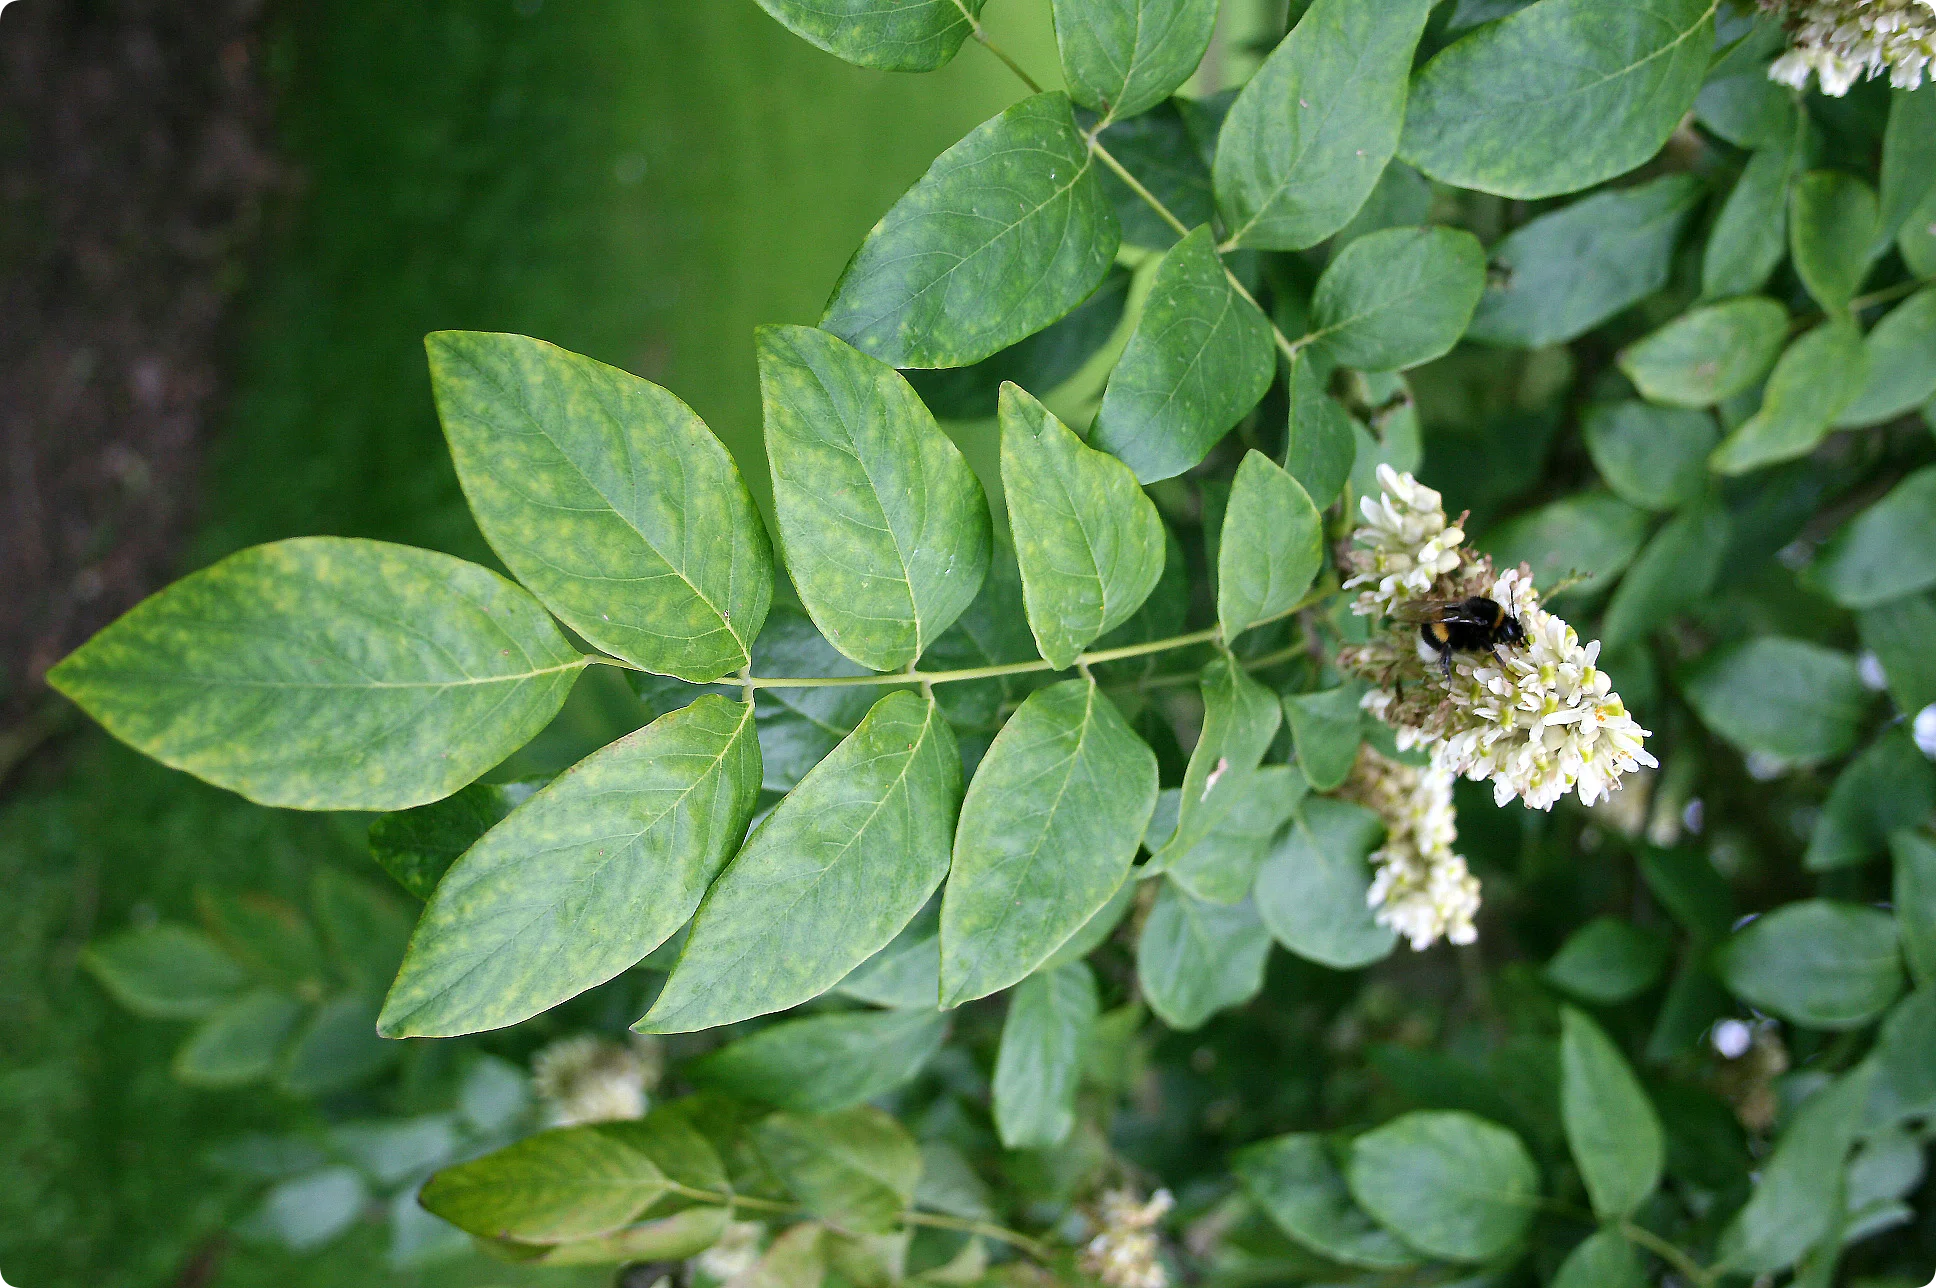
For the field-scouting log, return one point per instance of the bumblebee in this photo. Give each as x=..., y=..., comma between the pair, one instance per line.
x=1473, y=625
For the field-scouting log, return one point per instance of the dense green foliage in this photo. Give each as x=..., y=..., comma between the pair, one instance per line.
x=937, y=818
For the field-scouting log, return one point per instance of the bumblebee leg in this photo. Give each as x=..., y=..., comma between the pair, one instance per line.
x=1445, y=660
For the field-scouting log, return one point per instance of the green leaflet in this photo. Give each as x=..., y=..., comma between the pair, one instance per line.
x=1898, y=633
x=1823, y=964
x=1604, y=1259
x=1884, y=553
x=557, y=1186
x=1750, y=235
x=1198, y=360
x=1673, y=573
x=1326, y=729
x=1320, y=444
x=1608, y=961
x=1917, y=239
x=1272, y=547
x=1311, y=132
x=1037, y=1068
x=338, y=1048
x=1915, y=898
x=1707, y=354
x=607, y=497
x=1222, y=866
x=1785, y=698
x=1559, y=276
x=1048, y=830
x=857, y=1168
x=1891, y=785
x=584, y=879
x=825, y=1062
x=1558, y=96
x=1399, y=297
x=1311, y=891
x=1589, y=534
x=1745, y=107
x=165, y=972
x=1122, y=57
x=1908, y=165
x=240, y=1043
x=417, y=846
x=1795, y=1200
x=1901, y=351
x=1782, y=697
x=1831, y=222
x=1294, y=1180
x=833, y=874
x=1816, y=379
x=883, y=524
x=1611, y=1127
x=1196, y=958
x=1652, y=456
x=1240, y=717
x=327, y=673
x=889, y=35
x=1461, y=1188
x=1089, y=543
x=1008, y=230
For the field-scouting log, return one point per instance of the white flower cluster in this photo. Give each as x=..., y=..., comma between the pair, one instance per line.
x=735, y=1252
x=1539, y=719
x=1422, y=888
x=1123, y=1254
x=1842, y=41
x=585, y=1079
x=1405, y=544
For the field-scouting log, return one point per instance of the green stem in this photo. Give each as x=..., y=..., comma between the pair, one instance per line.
x=1163, y=212
x=1034, y=1247
x=1210, y=634
x=974, y=25
x=1666, y=1251
x=1135, y=185
x=1888, y=293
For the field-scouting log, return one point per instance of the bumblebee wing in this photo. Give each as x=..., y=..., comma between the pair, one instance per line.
x=1417, y=612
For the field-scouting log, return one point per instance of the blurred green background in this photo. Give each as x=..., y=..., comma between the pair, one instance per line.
x=640, y=180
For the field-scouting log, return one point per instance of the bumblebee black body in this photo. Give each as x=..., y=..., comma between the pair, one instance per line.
x=1473, y=625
